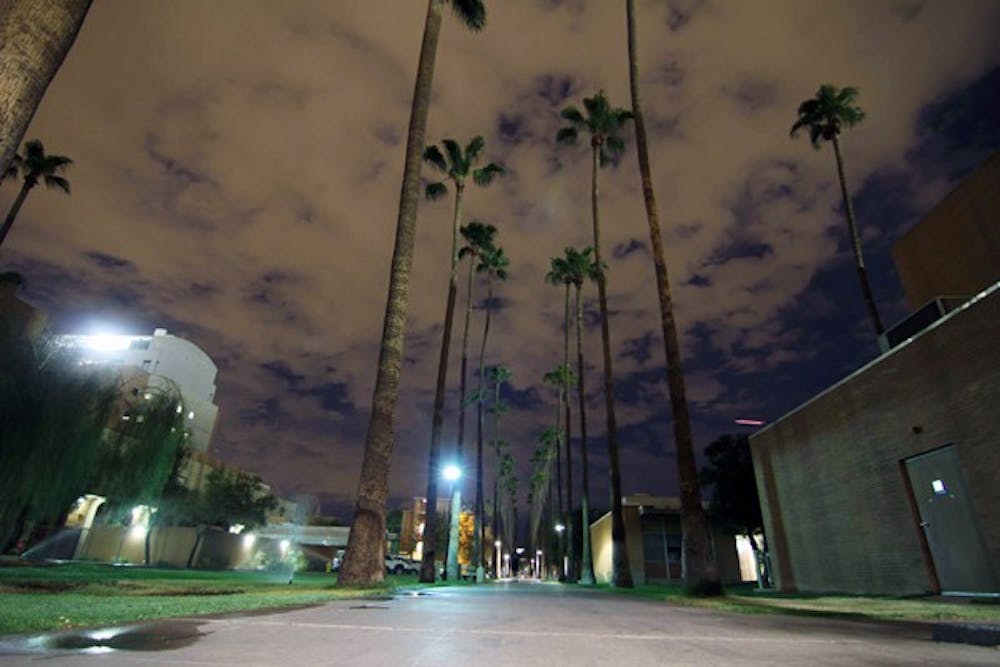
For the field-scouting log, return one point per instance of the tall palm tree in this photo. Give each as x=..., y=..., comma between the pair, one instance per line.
x=35, y=36
x=478, y=239
x=560, y=275
x=604, y=124
x=700, y=571
x=456, y=167
x=824, y=116
x=364, y=562
x=499, y=375
x=579, y=267
x=562, y=378
x=35, y=165
x=541, y=477
x=493, y=262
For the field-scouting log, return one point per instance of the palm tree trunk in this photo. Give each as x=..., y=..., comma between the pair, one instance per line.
x=567, y=518
x=559, y=475
x=14, y=209
x=587, y=564
x=364, y=560
x=427, y=568
x=35, y=36
x=622, y=574
x=479, y=554
x=698, y=557
x=451, y=567
x=852, y=228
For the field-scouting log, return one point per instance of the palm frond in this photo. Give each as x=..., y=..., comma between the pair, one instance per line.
x=615, y=145
x=473, y=149
x=433, y=157
x=435, y=191
x=485, y=175
x=471, y=12
x=573, y=115
x=57, y=182
x=567, y=135
x=455, y=157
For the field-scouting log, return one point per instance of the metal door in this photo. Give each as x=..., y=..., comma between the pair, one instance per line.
x=949, y=522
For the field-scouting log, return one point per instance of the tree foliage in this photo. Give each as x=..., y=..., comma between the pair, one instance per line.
x=729, y=472
x=52, y=421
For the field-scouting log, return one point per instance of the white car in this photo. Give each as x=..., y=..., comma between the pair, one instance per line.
x=401, y=565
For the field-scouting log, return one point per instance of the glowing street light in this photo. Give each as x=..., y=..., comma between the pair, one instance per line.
x=560, y=528
x=451, y=472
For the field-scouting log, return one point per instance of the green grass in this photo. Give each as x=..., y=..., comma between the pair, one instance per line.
x=82, y=595
x=745, y=599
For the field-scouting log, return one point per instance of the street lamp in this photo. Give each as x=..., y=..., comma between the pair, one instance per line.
x=496, y=560
x=452, y=473
x=559, y=530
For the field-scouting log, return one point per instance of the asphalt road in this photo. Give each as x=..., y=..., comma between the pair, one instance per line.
x=498, y=624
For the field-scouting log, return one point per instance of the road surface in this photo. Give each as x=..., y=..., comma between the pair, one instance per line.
x=520, y=624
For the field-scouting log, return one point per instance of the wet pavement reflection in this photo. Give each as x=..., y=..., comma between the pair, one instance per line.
x=154, y=636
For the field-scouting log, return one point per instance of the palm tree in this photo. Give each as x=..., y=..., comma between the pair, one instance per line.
x=493, y=262
x=579, y=267
x=499, y=375
x=824, y=115
x=560, y=275
x=604, y=123
x=364, y=562
x=699, y=560
x=478, y=238
x=562, y=378
x=456, y=168
x=35, y=165
x=545, y=452
x=35, y=36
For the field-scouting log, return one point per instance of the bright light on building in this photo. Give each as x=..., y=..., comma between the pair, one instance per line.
x=105, y=342
x=560, y=528
x=236, y=528
x=284, y=546
x=451, y=472
x=248, y=540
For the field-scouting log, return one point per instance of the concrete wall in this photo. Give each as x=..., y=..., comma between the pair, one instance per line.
x=169, y=545
x=600, y=548
x=836, y=509
x=954, y=249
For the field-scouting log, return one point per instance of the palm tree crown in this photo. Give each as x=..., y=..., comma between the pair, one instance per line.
x=470, y=12
x=603, y=122
x=825, y=114
x=35, y=165
x=456, y=164
x=478, y=237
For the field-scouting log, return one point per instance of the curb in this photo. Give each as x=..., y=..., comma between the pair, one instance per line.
x=967, y=633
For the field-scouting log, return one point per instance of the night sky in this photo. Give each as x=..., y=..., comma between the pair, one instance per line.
x=236, y=180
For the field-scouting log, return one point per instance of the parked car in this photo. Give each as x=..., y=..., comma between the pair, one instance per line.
x=395, y=564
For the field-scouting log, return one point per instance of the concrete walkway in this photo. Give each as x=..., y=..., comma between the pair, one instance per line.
x=498, y=624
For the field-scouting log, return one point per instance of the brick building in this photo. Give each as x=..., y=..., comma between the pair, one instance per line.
x=889, y=481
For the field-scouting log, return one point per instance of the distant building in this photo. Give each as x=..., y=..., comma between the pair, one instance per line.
x=889, y=481
x=160, y=360
x=654, y=540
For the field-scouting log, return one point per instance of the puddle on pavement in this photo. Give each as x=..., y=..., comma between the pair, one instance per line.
x=161, y=636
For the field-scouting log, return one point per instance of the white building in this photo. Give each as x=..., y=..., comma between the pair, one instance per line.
x=159, y=361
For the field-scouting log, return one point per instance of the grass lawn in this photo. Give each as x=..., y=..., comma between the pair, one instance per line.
x=746, y=600
x=86, y=595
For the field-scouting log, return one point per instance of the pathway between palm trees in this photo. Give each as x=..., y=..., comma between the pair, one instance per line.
x=498, y=624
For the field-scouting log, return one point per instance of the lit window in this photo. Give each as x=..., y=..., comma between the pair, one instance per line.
x=125, y=418
x=938, y=487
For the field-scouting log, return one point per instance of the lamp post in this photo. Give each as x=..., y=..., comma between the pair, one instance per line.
x=496, y=559
x=538, y=564
x=452, y=473
x=560, y=528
